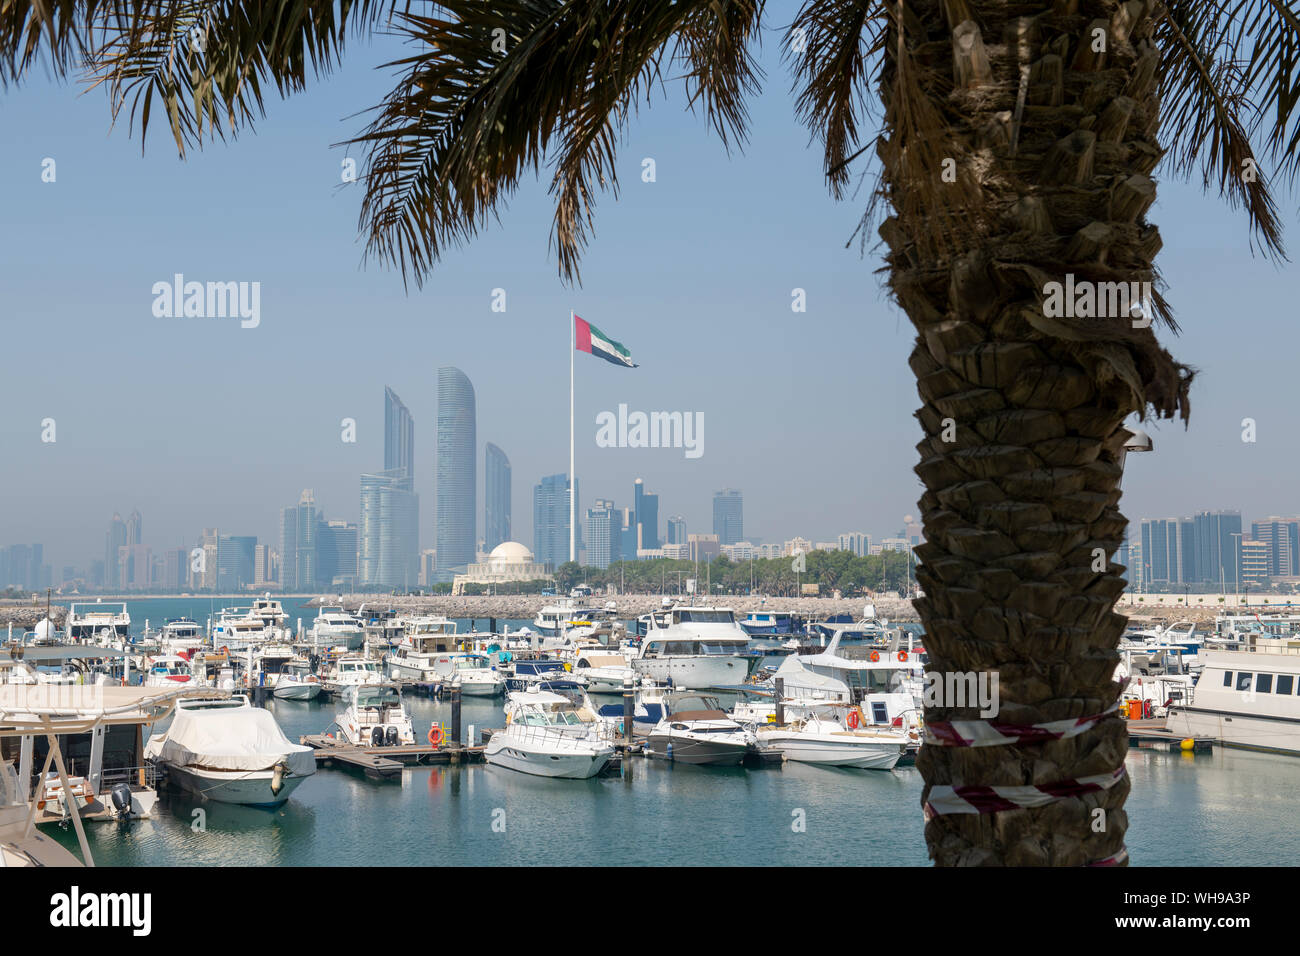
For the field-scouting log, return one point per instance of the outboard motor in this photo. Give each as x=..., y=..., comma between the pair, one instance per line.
x=377, y=737
x=120, y=796
x=390, y=738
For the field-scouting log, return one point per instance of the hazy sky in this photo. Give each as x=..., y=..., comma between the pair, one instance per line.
x=201, y=423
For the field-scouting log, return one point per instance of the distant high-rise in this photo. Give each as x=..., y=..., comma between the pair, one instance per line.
x=388, y=536
x=602, y=539
x=235, y=556
x=288, y=548
x=457, y=454
x=388, y=533
x=113, y=541
x=728, y=516
x=551, y=519
x=677, y=530
x=399, y=437
x=133, y=528
x=1282, y=539
x=645, y=508
x=496, y=497
x=1217, y=534
x=305, y=579
x=336, y=554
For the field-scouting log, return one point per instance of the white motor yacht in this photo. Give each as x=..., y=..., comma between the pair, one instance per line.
x=695, y=647
x=604, y=672
x=424, y=641
x=819, y=740
x=374, y=717
x=547, y=735
x=103, y=622
x=297, y=682
x=1248, y=699
x=696, y=730
x=334, y=626
x=231, y=752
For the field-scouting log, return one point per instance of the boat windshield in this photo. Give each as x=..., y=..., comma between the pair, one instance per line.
x=693, y=616
x=377, y=697
x=562, y=716
x=695, y=702
x=471, y=663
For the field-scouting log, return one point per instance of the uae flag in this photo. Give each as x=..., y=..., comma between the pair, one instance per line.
x=589, y=339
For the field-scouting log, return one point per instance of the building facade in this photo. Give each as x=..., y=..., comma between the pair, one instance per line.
x=496, y=496
x=728, y=516
x=457, y=478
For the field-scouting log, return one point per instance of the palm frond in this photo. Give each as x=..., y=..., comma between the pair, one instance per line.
x=1205, y=95
x=833, y=44
x=57, y=28
x=498, y=84
x=1272, y=30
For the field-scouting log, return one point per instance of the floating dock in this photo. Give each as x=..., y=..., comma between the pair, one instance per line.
x=1151, y=734
x=385, y=763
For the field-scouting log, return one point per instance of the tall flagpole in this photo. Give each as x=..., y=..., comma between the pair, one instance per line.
x=573, y=529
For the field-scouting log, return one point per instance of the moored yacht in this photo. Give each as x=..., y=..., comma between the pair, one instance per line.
x=103, y=622
x=333, y=625
x=425, y=640
x=374, y=717
x=1247, y=699
x=555, y=619
x=548, y=735
x=695, y=647
x=832, y=743
x=696, y=730
x=230, y=752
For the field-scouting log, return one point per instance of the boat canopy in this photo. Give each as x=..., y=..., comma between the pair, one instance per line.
x=229, y=735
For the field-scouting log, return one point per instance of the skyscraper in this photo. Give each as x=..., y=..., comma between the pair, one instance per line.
x=728, y=516
x=1282, y=538
x=399, y=437
x=1217, y=533
x=645, y=509
x=388, y=532
x=601, y=534
x=496, y=497
x=457, y=445
x=677, y=529
x=388, y=537
x=551, y=519
x=336, y=554
x=133, y=528
x=305, y=579
x=113, y=541
x=288, y=548
x=235, y=554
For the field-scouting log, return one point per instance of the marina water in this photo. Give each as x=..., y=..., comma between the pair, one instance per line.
x=1226, y=808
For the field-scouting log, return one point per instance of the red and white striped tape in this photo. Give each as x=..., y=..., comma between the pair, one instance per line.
x=974, y=799
x=988, y=733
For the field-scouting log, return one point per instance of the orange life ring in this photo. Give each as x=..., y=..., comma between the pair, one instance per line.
x=435, y=735
x=875, y=656
x=853, y=720
x=902, y=655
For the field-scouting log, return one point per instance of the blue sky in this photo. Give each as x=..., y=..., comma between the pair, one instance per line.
x=199, y=423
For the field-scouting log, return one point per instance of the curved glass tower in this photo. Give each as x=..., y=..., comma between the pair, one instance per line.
x=457, y=474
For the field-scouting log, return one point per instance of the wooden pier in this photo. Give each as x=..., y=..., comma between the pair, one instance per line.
x=1151, y=734
x=386, y=763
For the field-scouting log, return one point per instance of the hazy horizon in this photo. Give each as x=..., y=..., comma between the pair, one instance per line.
x=201, y=423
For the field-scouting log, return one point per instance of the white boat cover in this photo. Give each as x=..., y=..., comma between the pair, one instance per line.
x=242, y=738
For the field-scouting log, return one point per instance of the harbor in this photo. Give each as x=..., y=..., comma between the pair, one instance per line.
x=437, y=720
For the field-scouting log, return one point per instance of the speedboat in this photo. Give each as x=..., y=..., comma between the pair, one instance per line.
x=353, y=672
x=231, y=752
x=818, y=740
x=374, y=717
x=297, y=682
x=554, y=619
x=696, y=730
x=472, y=673
x=605, y=673
x=695, y=647
x=166, y=670
x=548, y=735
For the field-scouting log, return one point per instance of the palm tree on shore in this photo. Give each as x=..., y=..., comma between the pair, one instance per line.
x=1016, y=146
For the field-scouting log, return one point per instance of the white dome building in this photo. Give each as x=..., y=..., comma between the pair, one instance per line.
x=509, y=561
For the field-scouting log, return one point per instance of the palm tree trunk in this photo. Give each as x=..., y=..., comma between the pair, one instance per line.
x=1052, y=141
